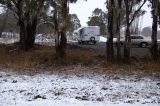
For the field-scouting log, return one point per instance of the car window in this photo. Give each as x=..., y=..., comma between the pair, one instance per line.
x=140, y=37
x=137, y=37
x=132, y=37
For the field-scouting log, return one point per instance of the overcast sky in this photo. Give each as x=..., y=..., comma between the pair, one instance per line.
x=84, y=10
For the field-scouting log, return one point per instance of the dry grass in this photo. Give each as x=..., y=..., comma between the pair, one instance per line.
x=143, y=68
x=44, y=57
x=14, y=58
x=82, y=56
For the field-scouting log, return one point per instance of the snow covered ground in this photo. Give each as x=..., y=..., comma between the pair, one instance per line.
x=8, y=40
x=40, y=39
x=60, y=89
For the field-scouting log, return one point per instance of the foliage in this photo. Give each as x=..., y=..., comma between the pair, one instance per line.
x=11, y=24
x=74, y=22
x=98, y=18
x=27, y=13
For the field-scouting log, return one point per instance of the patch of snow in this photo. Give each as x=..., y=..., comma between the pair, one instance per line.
x=73, y=90
x=42, y=38
x=102, y=39
x=8, y=40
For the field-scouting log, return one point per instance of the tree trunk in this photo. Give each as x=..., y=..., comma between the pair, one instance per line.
x=22, y=34
x=63, y=40
x=56, y=31
x=63, y=44
x=127, y=46
x=127, y=35
x=31, y=32
x=119, y=55
x=57, y=44
x=109, y=44
x=154, y=46
x=27, y=34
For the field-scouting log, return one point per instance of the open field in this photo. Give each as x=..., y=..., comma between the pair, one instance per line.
x=79, y=85
x=84, y=78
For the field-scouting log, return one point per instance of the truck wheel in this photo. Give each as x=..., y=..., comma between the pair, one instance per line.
x=92, y=39
x=143, y=44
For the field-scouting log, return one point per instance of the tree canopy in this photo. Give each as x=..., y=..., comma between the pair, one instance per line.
x=98, y=18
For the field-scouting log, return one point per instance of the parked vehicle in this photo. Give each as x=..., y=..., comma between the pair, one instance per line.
x=137, y=40
x=87, y=34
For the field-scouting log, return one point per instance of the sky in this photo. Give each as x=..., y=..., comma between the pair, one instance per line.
x=84, y=10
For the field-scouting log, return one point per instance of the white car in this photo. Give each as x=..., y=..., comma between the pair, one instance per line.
x=136, y=40
x=139, y=40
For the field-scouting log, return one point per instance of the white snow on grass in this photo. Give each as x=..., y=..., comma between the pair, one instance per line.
x=8, y=40
x=72, y=90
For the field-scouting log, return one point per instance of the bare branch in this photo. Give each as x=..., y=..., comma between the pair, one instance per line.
x=135, y=13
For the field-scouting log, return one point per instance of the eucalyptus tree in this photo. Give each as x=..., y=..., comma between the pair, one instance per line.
x=27, y=13
x=98, y=18
x=130, y=16
x=109, y=43
x=74, y=22
x=119, y=21
x=60, y=20
x=155, y=5
x=63, y=31
x=116, y=22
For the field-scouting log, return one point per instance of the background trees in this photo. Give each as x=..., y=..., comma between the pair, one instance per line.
x=74, y=22
x=121, y=13
x=98, y=18
x=4, y=21
x=27, y=13
x=61, y=23
x=114, y=16
x=11, y=22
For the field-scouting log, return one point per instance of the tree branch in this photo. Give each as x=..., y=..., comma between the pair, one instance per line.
x=134, y=15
